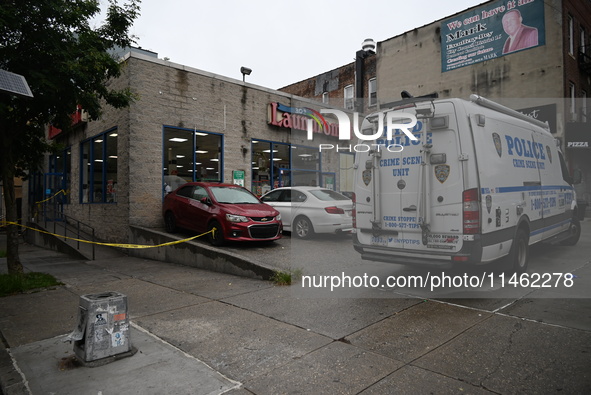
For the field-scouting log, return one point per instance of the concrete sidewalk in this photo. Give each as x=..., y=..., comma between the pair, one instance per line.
x=200, y=332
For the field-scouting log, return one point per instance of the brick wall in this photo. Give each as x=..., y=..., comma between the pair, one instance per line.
x=334, y=82
x=580, y=11
x=412, y=62
x=174, y=95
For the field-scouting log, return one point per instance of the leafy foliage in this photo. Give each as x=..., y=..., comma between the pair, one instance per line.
x=66, y=63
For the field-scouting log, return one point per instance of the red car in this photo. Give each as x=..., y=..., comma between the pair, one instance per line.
x=236, y=213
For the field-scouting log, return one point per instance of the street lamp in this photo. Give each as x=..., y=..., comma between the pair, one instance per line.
x=245, y=71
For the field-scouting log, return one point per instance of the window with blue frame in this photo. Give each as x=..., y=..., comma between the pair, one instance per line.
x=60, y=164
x=306, y=166
x=191, y=155
x=270, y=165
x=276, y=164
x=98, y=168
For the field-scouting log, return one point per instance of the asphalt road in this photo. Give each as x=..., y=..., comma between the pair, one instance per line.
x=554, y=272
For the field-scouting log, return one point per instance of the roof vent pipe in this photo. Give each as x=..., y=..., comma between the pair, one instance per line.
x=368, y=45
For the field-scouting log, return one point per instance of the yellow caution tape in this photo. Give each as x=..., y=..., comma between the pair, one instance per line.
x=51, y=197
x=212, y=231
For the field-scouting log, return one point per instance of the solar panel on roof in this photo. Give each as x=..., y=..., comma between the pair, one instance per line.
x=14, y=83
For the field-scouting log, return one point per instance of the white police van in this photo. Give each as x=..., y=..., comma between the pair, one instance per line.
x=471, y=182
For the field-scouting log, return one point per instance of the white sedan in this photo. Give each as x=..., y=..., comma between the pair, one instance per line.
x=308, y=210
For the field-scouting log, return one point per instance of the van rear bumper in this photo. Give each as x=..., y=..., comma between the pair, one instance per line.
x=471, y=253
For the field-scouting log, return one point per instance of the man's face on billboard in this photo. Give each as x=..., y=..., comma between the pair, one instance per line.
x=511, y=22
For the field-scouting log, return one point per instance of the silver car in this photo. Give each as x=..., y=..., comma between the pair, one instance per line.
x=308, y=210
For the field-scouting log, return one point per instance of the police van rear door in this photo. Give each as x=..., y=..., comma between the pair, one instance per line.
x=420, y=187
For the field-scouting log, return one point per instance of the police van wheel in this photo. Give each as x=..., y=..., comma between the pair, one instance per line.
x=519, y=255
x=575, y=233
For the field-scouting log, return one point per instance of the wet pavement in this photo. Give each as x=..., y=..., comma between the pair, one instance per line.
x=201, y=332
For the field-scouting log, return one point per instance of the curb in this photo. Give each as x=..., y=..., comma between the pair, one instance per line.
x=11, y=381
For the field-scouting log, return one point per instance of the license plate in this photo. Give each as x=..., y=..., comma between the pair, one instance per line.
x=379, y=241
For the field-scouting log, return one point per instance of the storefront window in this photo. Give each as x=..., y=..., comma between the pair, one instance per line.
x=98, y=164
x=281, y=167
x=85, y=169
x=305, y=166
x=111, y=167
x=191, y=155
x=277, y=165
x=270, y=166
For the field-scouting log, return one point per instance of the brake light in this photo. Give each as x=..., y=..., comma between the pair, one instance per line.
x=334, y=210
x=471, y=211
x=354, y=211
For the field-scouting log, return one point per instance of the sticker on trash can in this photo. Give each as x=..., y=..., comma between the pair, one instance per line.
x=100, y=319
x=119, y=317
x=118, y=339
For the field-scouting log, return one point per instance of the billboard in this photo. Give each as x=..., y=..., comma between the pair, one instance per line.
x=544, y=113
x=490, y=31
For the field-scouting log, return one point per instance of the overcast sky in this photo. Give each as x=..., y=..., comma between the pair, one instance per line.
x=281, y=41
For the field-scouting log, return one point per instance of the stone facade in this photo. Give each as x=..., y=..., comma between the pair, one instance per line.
x=174, y=95
x=169, y=94
x=334, y=82
x=412, y=62
x=580, y=12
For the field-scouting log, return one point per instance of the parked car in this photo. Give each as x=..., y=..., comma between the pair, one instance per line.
x=308, y=210
x=236, y=213
x=348, y=194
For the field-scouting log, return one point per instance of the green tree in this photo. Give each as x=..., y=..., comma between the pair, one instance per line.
x=66, y=62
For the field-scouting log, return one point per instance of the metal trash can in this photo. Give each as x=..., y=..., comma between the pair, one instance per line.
x=103, y=327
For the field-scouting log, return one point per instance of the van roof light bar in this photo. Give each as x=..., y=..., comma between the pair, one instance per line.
x=409, y=100
x=506, y=110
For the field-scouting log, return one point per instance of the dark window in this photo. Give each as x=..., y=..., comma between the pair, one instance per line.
x=186, y=191
x=297, y=196
x=328, y=195
x=273, y=196
x=98, y=164
x=192, y=155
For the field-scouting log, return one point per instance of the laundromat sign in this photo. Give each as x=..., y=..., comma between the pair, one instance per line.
x=298, y=117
